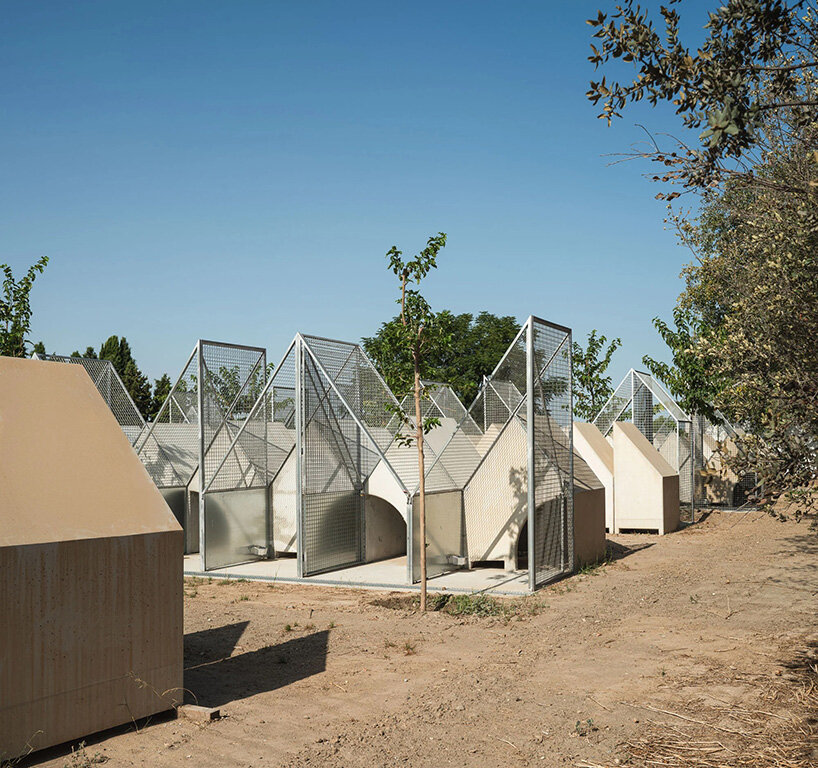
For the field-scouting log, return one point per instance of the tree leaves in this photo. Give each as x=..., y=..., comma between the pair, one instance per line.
x=15, y=309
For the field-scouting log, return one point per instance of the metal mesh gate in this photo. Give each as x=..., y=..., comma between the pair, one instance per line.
x=190, y=441
x=345, y=411
x=110, y=386
x=640, y=398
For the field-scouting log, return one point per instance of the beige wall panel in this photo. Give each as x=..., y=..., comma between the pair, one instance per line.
x=646, y=487
x=597, y=453
x=91, y=564
x=84, y=623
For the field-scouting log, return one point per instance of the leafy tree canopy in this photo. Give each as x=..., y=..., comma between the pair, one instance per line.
x=690, y=377
x=161, y=390
x=118, y=351
x=476, y=344
x=592, y=387
x=754, y=65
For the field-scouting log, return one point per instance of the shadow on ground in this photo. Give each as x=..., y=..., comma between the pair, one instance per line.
x=214, y=678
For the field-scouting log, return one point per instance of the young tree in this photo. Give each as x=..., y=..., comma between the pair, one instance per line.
x=15, y=309
x=477, y=344
x=418, y=331
x=592, y=387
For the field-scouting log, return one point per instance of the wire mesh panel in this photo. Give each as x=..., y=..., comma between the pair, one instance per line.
x=110, y=386
x=337, y=457
x=512, y=457
x=641, y=399
x=169, y=447
x=550, y=525
x=716, y=444
x=233, y=496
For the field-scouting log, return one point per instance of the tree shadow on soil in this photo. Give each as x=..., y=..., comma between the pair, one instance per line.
x=214, y=678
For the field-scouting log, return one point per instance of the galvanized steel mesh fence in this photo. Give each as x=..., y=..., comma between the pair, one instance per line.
x=110, y=386
x=552, y=439
x=346, y=412
x=521, y=421
x=234, y=377
x=641, y=399
x=169, y=446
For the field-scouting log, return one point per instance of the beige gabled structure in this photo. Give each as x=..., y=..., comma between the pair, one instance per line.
x=646, y=487
x=597, y=452
x=91, y=563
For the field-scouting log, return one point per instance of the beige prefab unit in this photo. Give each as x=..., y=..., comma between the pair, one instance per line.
x=590, y=545
x=646, y=487
x=90, y=566
x=597, y=452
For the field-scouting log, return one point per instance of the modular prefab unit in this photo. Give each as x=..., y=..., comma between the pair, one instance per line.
x=190, y=437
x=322, y=425
x=641, y=399
x=110, y=386
x=320, y=465
x=91, y=567
x=510, y=463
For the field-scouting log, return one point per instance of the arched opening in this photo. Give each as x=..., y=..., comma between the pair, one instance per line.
x=385, y=530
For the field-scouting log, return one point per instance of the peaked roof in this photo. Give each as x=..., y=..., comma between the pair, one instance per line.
x=66, y=469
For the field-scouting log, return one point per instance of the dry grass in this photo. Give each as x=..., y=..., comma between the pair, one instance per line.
x=781, y=733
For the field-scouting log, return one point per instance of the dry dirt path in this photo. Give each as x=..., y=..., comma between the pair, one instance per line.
x=701, y=623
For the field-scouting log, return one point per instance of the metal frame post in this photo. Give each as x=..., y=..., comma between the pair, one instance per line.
x=200, y=405
x=299, y=454
x=570, y=500
x=529, y=410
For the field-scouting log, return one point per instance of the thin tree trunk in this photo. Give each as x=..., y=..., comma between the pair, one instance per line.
x=422, y=486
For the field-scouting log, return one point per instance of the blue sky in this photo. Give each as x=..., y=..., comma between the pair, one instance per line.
x=237, y=171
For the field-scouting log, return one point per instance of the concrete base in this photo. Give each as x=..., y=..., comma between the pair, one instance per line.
x=386, y=574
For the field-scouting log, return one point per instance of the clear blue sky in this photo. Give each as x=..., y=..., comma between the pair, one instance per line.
x=237, y=171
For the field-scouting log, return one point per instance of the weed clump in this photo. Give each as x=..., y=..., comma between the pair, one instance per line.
x=477, y=605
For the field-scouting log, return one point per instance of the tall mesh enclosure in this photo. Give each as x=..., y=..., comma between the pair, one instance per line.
x=345, y=412
x=716, y=446
x=299, y=456
x=235, y=525
x=641, y=399
x=113, y=391
x=551, y=415
x=191, y=441
x=511, y=455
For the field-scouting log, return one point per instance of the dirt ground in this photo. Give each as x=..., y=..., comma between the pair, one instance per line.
x=690, y=649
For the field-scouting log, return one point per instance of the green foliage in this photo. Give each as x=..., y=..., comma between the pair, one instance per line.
x=418, y=331
x=748, y=70
x=39, y=348
x=476, y=345
x=690, y=378
x=118, y=351
x=15, y=309
x=592, y=387
x=757, y=283
x=161, y=390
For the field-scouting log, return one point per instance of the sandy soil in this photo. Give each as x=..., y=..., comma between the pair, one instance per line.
x=708, y=623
